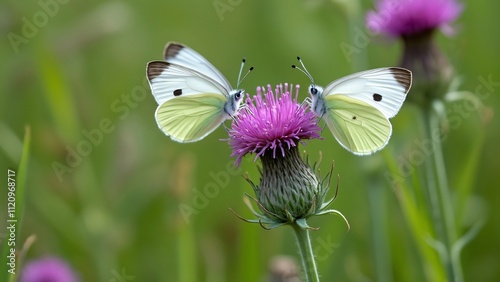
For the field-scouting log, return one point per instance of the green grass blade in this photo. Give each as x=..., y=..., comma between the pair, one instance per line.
x=20, y=180
x=22, y=172
x=57, y=93
x=467, y=176
x=417, y=223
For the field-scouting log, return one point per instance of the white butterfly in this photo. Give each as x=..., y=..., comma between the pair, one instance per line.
x=357, y=107
x=193, y=97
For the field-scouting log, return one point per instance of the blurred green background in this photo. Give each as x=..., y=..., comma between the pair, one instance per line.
x=77, y=79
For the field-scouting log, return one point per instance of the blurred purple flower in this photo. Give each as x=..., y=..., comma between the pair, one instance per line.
x=273, y=123
x=409, y=17
x=48, y=269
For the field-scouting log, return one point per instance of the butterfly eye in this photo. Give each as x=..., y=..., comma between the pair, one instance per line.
x=313, y=90
x=237, y=95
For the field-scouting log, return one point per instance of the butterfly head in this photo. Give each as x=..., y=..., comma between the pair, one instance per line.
x=233, y=102
x=316, y=93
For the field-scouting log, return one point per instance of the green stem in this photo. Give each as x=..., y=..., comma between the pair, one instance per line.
x=442, y=181
x=430, y=177
x=306, y=253
x=442, y=202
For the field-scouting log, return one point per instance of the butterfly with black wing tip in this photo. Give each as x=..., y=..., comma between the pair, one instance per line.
x=356, y=108
x=193, y=97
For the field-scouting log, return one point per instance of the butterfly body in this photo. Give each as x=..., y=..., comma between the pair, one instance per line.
x=193, y=97
x=357, y=108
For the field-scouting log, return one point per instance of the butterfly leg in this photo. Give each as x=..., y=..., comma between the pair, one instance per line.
x=243, y=106
x=324, y=126
x=307, y=101
x=226, y=128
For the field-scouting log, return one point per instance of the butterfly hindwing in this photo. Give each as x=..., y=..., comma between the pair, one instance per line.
x=191, y=118
x=357, y=126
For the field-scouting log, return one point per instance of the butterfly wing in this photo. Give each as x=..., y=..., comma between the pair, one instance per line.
x=191, y=118
x=168, y=81
x=383, y=88
x=191, y=105
x=181, y=55
x=358, y=127
x=357, y=107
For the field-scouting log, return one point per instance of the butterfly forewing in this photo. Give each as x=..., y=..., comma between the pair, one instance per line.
x=357, y=126
x=168, y=81
x=180, y=54
x=383, y=88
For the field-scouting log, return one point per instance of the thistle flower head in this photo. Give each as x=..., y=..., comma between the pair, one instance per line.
x=48, y=269
x=415, y=21
x=271, y=124
x=272, y=127
x=399, y=18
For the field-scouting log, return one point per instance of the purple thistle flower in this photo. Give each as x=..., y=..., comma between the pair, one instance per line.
x=48, y=269
x=271, y=126
x=271, y=123
x=409, y=17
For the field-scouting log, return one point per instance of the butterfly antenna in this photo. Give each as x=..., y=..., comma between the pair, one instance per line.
x=303, y=69
x=240, y=79
x=241, y=70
